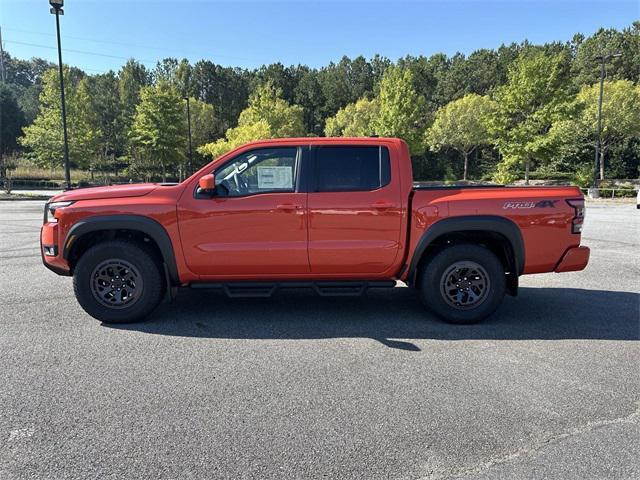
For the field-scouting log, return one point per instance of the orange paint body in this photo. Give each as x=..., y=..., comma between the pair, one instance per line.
x=307, y=234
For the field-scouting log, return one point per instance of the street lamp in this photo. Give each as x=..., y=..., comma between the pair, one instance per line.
x=189, y=128
x=56, y=9
x=603, y=59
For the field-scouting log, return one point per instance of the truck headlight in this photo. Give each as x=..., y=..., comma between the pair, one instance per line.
x=50, y=210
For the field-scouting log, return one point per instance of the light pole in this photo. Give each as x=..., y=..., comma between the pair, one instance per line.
x=189, y=129
x=603, y=59
x=56, y=9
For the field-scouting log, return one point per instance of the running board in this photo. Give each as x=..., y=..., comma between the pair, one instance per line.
x=322, y=288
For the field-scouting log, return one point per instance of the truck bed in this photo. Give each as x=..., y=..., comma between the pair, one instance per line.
x=542, y=215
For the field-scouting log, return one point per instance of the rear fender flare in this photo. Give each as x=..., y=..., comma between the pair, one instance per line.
x=477, y=223
x=139, y=223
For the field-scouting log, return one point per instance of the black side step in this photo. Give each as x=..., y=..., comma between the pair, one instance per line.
x=354, y=288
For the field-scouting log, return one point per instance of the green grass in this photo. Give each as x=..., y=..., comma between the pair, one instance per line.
x=26, y=172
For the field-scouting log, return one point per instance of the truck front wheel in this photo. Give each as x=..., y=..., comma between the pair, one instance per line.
x=463, y=283
x=118, y=281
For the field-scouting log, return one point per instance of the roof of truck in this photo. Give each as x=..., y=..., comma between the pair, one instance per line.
x=327, y=140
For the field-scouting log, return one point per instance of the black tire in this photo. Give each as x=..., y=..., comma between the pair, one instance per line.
x=437, y=288
x=144, y=281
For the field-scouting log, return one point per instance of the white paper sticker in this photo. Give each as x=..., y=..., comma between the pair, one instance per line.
x=275, y=178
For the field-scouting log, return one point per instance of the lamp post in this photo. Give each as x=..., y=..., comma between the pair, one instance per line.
x=189, y=129
x=603, y=59
x=56, y=9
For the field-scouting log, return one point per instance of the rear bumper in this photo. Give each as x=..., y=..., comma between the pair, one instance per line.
x=574, y=259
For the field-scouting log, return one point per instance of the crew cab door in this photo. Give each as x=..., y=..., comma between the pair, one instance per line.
x=254, y=224
x=355, y=210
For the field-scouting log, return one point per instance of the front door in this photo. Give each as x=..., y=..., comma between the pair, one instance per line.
x=355, y=211
x=254, y=225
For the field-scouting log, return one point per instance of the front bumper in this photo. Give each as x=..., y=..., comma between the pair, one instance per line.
x=50, y=252
x=573, y=260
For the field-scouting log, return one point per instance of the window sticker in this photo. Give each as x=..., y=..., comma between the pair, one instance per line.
x=275, y=178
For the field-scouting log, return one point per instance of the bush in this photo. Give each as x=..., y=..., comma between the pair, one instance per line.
x=583, y=176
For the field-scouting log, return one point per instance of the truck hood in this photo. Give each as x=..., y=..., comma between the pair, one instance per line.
x=114, y=191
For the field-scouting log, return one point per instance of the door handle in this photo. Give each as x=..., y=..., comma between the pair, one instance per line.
x=287, y=206
x=382, y=205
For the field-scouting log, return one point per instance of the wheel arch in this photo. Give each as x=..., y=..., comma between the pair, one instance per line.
x=501, y=234
x=109, y=226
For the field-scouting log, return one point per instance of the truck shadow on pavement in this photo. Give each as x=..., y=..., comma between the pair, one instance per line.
x=394, y=317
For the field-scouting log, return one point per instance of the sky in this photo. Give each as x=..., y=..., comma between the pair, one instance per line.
x=98, y=36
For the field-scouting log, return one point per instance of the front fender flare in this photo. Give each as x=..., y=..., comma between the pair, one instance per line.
x=146, y=225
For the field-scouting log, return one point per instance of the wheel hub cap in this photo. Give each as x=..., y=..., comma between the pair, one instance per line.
x=116, y=284
x=464, y=285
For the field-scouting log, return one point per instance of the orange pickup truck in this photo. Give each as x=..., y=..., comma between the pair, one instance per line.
x=338, y=215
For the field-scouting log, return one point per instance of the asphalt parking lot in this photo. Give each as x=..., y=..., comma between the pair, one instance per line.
x=305, y=387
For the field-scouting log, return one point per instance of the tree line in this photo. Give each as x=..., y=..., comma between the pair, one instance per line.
x=518, y=111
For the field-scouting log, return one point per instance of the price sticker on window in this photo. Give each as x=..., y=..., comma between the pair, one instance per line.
x=275, y=178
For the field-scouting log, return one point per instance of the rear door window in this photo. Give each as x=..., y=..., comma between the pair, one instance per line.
x=351, y=168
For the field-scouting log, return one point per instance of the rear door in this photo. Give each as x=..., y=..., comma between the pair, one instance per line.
x=355, y=210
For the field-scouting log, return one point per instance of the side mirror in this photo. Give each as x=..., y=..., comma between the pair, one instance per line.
x=207, y=183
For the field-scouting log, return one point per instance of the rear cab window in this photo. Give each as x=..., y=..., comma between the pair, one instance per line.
x=351, y=168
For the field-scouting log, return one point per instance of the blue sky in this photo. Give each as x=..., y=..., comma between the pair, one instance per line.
x=98, y=36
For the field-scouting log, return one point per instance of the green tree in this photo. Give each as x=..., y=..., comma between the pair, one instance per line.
x=620, y=119
x=308, y=94
x=462, y=125
x=354, y=120
x=347, y=81
x=131, y=79
x=177, y=73
x=158, y=129
x=183, y=78
x=11, y=122
x=586, y=67
x=105, y=117
x=281, y=77
x=236, y=137
x=44, y=137
x=226, y=88
x=24, y=77
x=267, y=116
x=266, y=103
x=535, y=96
x=204, y=125
x=402, y=109
x=165, y=70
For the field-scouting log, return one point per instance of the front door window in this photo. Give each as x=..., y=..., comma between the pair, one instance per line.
x=258, y=171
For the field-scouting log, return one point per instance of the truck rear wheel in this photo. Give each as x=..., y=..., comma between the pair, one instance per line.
x=463, y=283
x=118, y=281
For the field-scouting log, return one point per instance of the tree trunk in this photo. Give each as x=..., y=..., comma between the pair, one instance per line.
x=602, y=152
x=164, y=174
x=527, y=164
x=466, y=166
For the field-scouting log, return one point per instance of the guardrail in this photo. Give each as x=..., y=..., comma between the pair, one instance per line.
x=615, y=192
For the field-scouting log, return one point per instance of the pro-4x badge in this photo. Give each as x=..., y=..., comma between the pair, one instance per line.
x=520, y=205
